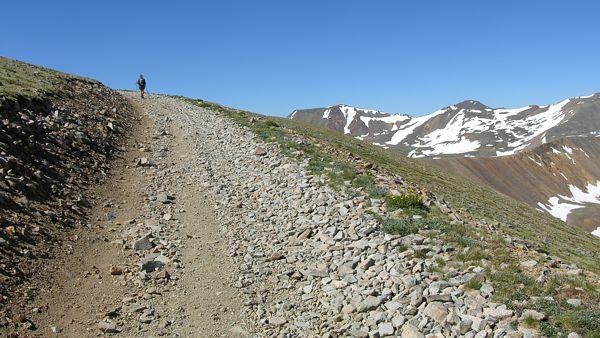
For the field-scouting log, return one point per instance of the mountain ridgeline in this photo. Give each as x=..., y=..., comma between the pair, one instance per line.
x=546, y=156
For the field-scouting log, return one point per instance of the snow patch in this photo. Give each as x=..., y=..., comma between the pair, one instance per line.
x=561, y=206
x=410, y=127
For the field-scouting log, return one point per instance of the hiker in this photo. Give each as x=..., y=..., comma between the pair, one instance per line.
x=141, y=82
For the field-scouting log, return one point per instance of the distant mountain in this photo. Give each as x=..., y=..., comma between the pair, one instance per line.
x=547, y=156
x=561, y=177
x=469, y=128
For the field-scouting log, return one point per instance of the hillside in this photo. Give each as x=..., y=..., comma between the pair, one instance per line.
x=211, y=221
x=559, y=177
x=470, y=129
x=58, y=134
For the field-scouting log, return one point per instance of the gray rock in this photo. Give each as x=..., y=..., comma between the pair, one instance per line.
x=533, y=314
x=486, y=290
x=163, y=198
x=277, y=321
x=368, y=304
x=411, y=331
x=465, y=325
x=497, y=314
x=436, y=311
x=143, y=243
x=109, y=327
x=385, y=329
x=529, y=264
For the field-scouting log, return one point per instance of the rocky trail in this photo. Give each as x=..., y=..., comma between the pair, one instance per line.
x=205, y=231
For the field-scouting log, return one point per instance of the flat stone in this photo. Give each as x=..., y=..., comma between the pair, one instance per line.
x=109, y=327
x=497, y=314
x=385, y=329
x=143, y=243
x=411, y=331
x=368, y=304
x=436, y=311
x=259, y=151
x=529, y=263
x=277, y=321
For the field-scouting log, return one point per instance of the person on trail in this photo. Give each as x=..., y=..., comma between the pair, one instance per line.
x=141, y=82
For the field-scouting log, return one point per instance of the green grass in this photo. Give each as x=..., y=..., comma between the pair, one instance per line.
x=473, y=284
x=22, y=80
x=472, y=254
x=531, y=322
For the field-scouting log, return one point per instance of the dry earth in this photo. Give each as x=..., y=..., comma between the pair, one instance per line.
x=197, y=299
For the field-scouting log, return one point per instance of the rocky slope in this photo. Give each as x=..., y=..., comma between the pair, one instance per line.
x=339, y=262
x=58, y=134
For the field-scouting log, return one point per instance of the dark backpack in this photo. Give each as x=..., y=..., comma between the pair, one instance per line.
x=142, y=83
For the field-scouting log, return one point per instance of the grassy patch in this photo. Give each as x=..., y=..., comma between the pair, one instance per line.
x=404, y=201
x=473, y=284
x=22, y=80
x=367, y=184
x=471, y=254
x=402, y=227
x=531, y=322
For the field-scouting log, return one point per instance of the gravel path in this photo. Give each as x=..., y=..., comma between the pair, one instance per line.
x=231, y=238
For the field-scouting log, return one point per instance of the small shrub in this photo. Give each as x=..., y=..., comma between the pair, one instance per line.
x=402, y=227
x=419, y=254
x=440, y=262
x=368, y=185
x=473, y=254
x=402, y=247
x=473, y=284
x=530, y=322
x=404, y=201
x=205, y=104
x=376, y=192
x=363, y=181
x=433, y=269
x=271, y=123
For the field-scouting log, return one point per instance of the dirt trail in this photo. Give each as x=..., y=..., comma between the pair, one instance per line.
x=99, y=288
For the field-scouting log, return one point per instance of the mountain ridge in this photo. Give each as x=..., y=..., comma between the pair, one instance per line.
x=461, y=121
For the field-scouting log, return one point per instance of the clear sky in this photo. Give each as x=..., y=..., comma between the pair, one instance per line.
x=275, y=56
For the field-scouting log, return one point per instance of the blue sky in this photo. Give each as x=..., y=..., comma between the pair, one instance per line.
x=274, y=56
